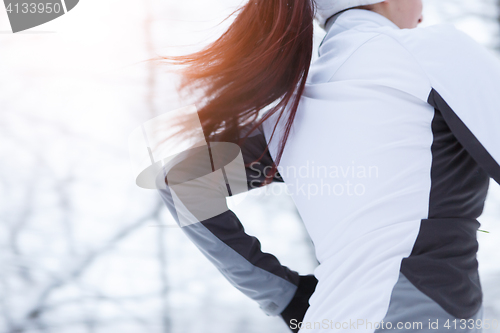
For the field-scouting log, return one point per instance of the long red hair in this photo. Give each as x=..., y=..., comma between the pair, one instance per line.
x=264, y=56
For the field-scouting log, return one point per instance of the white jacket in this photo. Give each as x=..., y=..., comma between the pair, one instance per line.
x=397, y=130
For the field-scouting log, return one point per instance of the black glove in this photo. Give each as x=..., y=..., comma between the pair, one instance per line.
x=297, y=307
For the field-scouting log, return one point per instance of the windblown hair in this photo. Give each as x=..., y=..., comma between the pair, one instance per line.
x=263, y=57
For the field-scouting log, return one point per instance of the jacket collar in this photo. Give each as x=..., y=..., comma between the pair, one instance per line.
x=355, y=16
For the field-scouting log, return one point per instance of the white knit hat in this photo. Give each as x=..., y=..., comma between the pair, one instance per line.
x=326, y=8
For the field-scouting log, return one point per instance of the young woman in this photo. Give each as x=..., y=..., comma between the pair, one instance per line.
x=397, y=126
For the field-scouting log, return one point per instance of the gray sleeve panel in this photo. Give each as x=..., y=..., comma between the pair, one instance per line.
x=221, y=237
x=272, y=292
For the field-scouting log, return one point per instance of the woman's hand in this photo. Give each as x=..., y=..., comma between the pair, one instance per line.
x=296, y=309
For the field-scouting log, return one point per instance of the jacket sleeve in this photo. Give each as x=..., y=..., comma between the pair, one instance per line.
x=197, y=187
x=464, y=80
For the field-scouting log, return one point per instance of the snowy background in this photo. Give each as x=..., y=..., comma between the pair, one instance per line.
x=82, y=248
